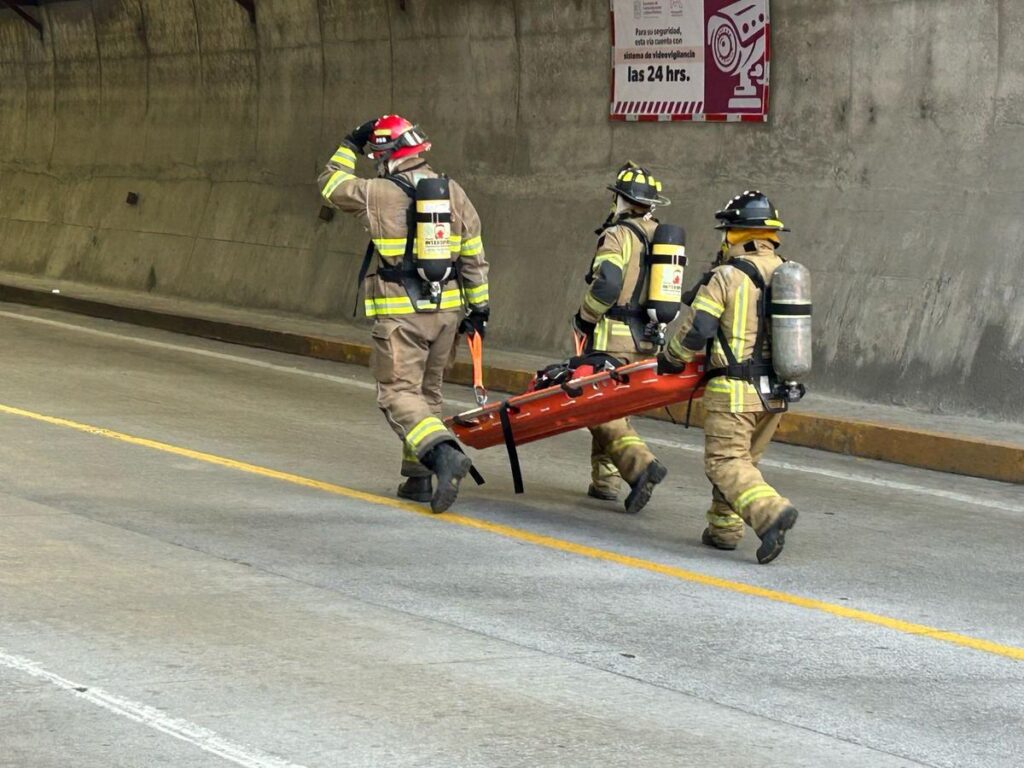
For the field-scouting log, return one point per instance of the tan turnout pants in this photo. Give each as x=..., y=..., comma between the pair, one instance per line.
x=733, y=445
x=617, y=452
x=408, y=359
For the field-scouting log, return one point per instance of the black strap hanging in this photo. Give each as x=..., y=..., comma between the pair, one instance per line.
x=510, y=447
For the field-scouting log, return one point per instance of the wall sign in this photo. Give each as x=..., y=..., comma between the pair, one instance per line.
x=690, y=60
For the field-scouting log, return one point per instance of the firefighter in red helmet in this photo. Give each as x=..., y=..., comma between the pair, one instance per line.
x=430, y=284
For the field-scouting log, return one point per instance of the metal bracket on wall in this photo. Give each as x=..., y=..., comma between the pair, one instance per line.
x=250, y=6
x=15, y=5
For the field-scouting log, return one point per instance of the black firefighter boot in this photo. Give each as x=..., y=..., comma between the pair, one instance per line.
x=643, y=487
x=417, y=489
x=450, y=465
x=774, y=536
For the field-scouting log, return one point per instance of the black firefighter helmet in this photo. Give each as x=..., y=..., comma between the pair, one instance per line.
x=750, y=210
x=637, y=185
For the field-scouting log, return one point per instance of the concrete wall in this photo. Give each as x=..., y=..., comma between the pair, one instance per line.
x=894, y=151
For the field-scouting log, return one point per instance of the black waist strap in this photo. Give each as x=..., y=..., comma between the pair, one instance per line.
x=748, y=371
x=622, y=314
x=510, y=447
x=398, y=274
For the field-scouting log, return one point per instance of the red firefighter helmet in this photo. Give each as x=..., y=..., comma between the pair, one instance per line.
x=394, y=137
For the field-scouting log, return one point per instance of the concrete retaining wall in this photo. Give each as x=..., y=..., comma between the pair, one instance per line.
x=894, y=151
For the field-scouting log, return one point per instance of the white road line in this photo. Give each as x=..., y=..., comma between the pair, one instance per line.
x=194, y=351
x=852, y=477
x=205, y=739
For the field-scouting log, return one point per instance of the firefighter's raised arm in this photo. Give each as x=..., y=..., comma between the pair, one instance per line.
x=338, y=182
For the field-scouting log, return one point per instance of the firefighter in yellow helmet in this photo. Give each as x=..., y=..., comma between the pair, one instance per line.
x=741, y=411
x=430, y=283
x=610, y=320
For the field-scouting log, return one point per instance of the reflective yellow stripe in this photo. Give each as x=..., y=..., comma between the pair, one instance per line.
x=455, y=243
x=620, y=329
x=594, y=306
x=344, y=156
x=390, y=246
x=429, y=426
x=478, y=294
x=752, y=494
x=708, y=305
x=732, y=520
x=677, y=352
x=337, y=178
x=739, y=327
x=472, y=246
x=401, y=305
x=600, y=333
x=623, y=442
x=615, y=258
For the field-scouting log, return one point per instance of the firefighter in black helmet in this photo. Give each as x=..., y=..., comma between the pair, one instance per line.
x=741, y=415
x=605, y=323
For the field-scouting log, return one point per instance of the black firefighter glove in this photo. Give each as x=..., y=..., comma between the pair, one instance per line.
x=668, y=366
x=361, y=135
x=583, y=330
x=583, y=327
x=475, y=322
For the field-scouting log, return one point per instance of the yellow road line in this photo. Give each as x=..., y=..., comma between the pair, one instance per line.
x=561, y=545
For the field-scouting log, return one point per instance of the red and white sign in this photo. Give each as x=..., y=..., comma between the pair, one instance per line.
x=690, y=60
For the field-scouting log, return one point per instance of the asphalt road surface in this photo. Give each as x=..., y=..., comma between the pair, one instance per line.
x=202, y=563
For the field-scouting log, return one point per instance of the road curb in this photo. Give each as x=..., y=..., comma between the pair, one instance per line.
x=887, y=442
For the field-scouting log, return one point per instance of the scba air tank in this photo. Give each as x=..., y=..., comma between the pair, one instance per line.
x=666, y=262
x=433, y=230
x=791, y=322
